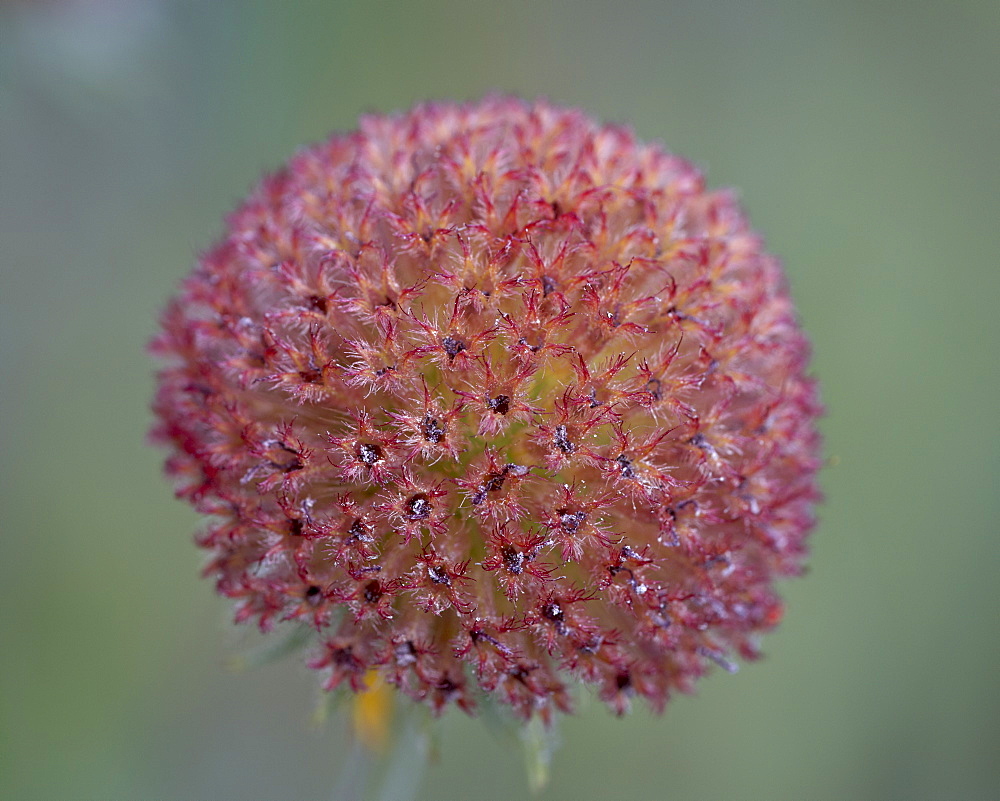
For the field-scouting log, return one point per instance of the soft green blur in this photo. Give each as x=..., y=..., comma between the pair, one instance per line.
x=863, y=137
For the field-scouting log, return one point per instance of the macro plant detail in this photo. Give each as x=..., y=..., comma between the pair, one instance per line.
x=496, y=399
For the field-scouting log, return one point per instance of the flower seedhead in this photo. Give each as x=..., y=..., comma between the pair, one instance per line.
x=509, y=387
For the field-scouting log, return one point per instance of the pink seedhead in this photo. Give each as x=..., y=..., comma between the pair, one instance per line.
x=494, y=397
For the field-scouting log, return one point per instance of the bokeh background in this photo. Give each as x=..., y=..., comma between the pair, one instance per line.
x=863, y=136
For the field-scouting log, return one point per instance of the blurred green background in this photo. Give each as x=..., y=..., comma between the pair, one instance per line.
x=864, y=139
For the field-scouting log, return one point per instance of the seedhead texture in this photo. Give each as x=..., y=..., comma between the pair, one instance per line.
x=493, y=395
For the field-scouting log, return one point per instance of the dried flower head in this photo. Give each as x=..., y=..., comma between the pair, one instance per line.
x=492, y=394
